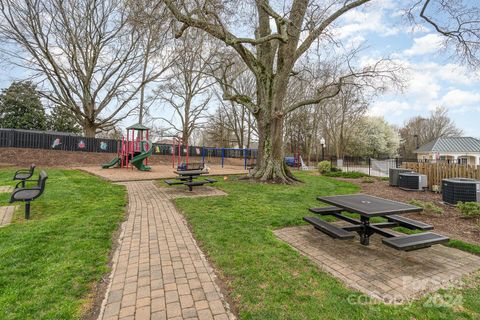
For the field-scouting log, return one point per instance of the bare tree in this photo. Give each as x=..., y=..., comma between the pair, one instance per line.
x=418, y=131
x=238, y=117
x=339, y=116
x=457, y=20
x=155, y=42
x=217, y=132
x=85, y=52
x=187, y=91
x=272, y=57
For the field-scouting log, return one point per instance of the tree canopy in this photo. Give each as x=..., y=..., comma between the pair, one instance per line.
x=21, y=107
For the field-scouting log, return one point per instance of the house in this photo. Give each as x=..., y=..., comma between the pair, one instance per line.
x=461, y=150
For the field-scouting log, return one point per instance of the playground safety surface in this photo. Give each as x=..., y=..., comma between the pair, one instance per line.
x=157, y=172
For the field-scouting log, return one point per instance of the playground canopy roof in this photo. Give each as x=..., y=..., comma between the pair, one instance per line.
x=138, y=126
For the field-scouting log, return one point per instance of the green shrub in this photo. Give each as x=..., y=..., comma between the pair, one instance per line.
x=324, y=167
x=349, y=174
x=469, y=209
x=368, y=180
x=428, y=206
x=335, y=169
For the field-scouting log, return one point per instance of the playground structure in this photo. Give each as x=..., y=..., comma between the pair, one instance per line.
x=134, y=150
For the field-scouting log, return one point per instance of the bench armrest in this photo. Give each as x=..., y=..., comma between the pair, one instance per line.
x=24, y=181
x=22, y=171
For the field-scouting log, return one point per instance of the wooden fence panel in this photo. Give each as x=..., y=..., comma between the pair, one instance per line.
x=436, y=172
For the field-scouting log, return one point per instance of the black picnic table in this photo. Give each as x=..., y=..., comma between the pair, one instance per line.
x=189, y=174
x=368, y=206
x=186, y=177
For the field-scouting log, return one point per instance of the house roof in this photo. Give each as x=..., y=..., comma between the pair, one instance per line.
x=451, y=144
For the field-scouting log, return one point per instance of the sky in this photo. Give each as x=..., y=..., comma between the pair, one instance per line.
x=433, y=77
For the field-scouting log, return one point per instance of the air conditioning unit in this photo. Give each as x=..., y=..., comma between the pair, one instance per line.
x=460, y=189
x=393, y=175
x=412, y=181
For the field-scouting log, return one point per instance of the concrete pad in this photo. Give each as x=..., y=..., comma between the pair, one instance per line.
x=6, y=215
x=5, y=189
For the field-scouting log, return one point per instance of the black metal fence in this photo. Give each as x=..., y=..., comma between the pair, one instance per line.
x=15, y=138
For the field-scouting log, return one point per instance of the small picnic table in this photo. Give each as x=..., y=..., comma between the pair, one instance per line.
x=186, y=177
x=189, y=174
x=370, y=206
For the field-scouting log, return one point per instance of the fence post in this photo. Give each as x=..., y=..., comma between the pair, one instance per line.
x=223, y=156
x=245, y=158
x=369, y=165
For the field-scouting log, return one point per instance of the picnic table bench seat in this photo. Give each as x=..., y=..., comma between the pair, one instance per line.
x=191, y=184
x=326, y=210
x=409, y=223
x=415, y=241
x=173, y=182
x=330, y=229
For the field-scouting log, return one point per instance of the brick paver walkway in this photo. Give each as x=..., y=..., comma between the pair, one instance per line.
x=6, y=215
x=379, y=271
x=159, y=271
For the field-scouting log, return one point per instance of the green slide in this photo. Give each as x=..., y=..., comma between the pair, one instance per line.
x=115, y=161
x=137, y=161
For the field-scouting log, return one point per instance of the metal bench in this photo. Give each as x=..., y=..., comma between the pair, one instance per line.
x=329, y=229
x=173, y=182
x=29, y=194
x=326, y=210
x=409, y=223
x=24, y=174
x=415, y=241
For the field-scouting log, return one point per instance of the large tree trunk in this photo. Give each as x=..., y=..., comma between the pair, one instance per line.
x=89, y=129
x=270, y=165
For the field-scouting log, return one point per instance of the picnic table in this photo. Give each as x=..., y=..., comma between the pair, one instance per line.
x=368, y=207
x=189, y=174
x=187, y=177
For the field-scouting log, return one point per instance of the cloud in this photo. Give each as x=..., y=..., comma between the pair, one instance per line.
x=368, y=19
x=460, y=98
x=390, y=107
x=430, y=43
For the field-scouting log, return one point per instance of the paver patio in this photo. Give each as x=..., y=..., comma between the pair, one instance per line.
x=6, y=215
x=159, y=271
x=5, y=189
x=379, y=271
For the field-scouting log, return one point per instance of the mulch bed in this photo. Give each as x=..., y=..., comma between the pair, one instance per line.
x=450, y=222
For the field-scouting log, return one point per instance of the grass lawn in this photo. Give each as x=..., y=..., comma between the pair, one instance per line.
x=49, y=265
x=270, y=280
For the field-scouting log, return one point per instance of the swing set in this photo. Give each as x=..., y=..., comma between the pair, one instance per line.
x=182, y=162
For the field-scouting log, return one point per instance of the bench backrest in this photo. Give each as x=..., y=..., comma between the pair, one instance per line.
x=41, y=181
